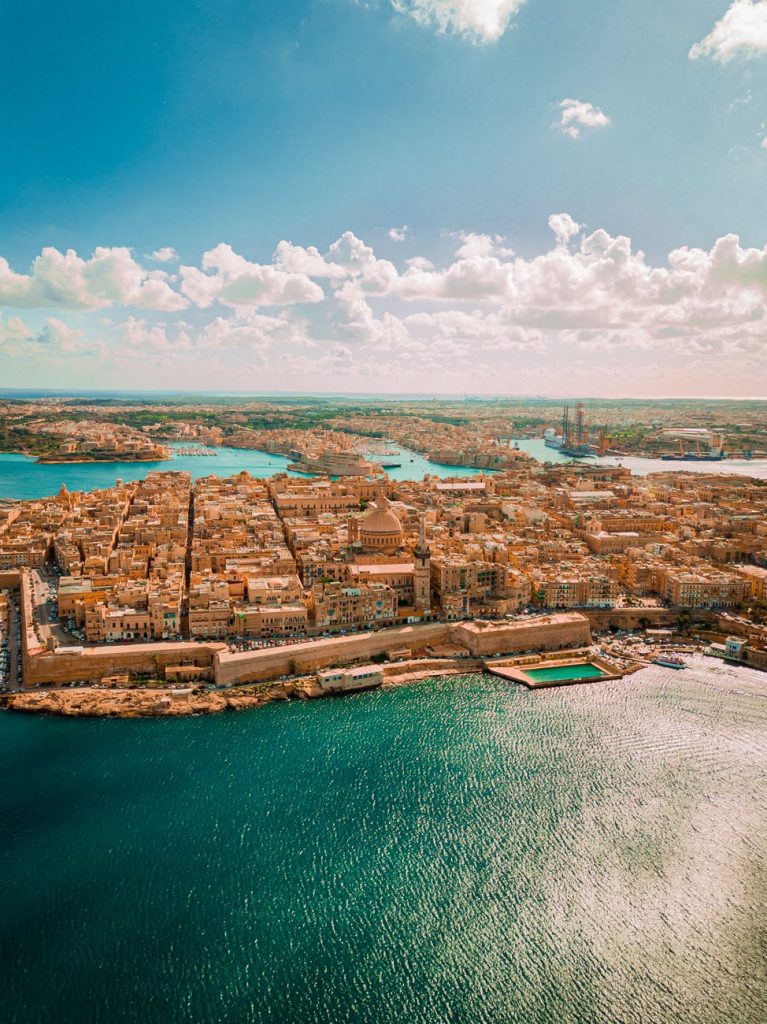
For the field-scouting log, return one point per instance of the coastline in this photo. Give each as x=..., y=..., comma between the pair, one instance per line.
x=46, y=461
x=158, y=702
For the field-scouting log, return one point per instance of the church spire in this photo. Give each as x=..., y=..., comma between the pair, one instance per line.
x=422, y=550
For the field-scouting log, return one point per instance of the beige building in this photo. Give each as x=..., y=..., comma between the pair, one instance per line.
x=337, y=606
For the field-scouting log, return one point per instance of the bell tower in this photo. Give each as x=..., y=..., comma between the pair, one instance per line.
x=422, y=571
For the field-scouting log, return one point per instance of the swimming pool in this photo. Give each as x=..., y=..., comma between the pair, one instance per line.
x=560, y=672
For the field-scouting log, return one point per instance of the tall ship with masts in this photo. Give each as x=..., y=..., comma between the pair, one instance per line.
x=574, y=438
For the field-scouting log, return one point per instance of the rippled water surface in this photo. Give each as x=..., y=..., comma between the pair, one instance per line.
x=458, y=850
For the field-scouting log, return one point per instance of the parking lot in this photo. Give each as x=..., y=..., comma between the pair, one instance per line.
x=10, y=645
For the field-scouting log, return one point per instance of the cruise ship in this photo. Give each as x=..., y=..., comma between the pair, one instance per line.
x=386, y=461
x=382, y=453
x=574, y=439
x=552, y=439
x=330, y=463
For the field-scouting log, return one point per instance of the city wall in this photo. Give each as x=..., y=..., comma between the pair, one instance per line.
x=545, y=632
x=633, y=618
x=93, y=663
x=270, y=663
x=731, y=625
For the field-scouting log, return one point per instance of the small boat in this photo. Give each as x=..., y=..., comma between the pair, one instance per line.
x=669, y=661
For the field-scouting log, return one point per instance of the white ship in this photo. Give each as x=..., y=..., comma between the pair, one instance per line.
x=389, y=460
x=330, y=463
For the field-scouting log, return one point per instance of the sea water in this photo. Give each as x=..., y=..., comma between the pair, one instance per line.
x=456, y=850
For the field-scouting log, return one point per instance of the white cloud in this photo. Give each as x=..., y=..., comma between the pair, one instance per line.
x=253, y=331
x=55, y=338
x=13, y=333
x=741, y=32
x=594, y=294
x=165, y=255
x=237, y=282
x=295, y=259
x=577, y=115
x=398, y=234
x=476, y=246
x=139, y=338
x=66, y=281
x=564, y=227
x=481, y=21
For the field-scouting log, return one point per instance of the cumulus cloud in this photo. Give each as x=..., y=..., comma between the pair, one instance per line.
x=564, y=227
x=741, y=32
x=398, y=234
x=478, y=246
x=14, y=332
x=480, y=21
x=577, y=115
x=55, y=338
x=295, y=259
x=346, y=310
x=165, y=255
x=67, y=281
x=235, y=281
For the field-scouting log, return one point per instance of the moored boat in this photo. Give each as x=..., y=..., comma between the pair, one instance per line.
x=669, y=661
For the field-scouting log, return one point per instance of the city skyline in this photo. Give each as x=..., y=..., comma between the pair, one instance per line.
x=411, y=196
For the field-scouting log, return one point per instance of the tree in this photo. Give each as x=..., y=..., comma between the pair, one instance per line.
x=683, y=620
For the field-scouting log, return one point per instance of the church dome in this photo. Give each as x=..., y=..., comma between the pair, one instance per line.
x=381, y=530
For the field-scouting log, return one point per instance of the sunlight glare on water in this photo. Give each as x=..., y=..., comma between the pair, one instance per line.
x=455, y=850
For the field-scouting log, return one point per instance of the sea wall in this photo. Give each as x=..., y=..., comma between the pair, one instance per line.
x=91, y=664
x=271, y=663
x=541, y=632
x=731, y=625
x=631, y=618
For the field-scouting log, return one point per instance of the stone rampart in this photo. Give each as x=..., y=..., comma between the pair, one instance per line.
x=540, y=632
x=633, y=618
x=91, y=664
x=271, y=663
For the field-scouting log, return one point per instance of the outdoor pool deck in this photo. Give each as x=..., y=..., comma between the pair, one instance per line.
x=537, y=673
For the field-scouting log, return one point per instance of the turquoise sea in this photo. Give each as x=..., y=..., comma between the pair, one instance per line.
x=22, y=477
x=641, y=467
x=458, y=851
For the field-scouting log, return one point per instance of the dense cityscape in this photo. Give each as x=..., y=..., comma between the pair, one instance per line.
x=383, y=512
x=201, y=570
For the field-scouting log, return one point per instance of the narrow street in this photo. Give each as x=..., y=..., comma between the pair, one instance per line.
x=15, y=680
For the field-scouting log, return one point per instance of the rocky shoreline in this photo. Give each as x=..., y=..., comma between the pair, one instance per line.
x=146, y=702
x=162, y=702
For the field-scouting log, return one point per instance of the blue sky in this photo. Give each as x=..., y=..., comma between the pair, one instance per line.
x=186, y=125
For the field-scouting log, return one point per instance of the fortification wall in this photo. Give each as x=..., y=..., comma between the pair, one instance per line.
x=270, y=663
x=92, y=664
x=545, y=632
x=730, y=625
x=630, y=618
x=44, y=668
